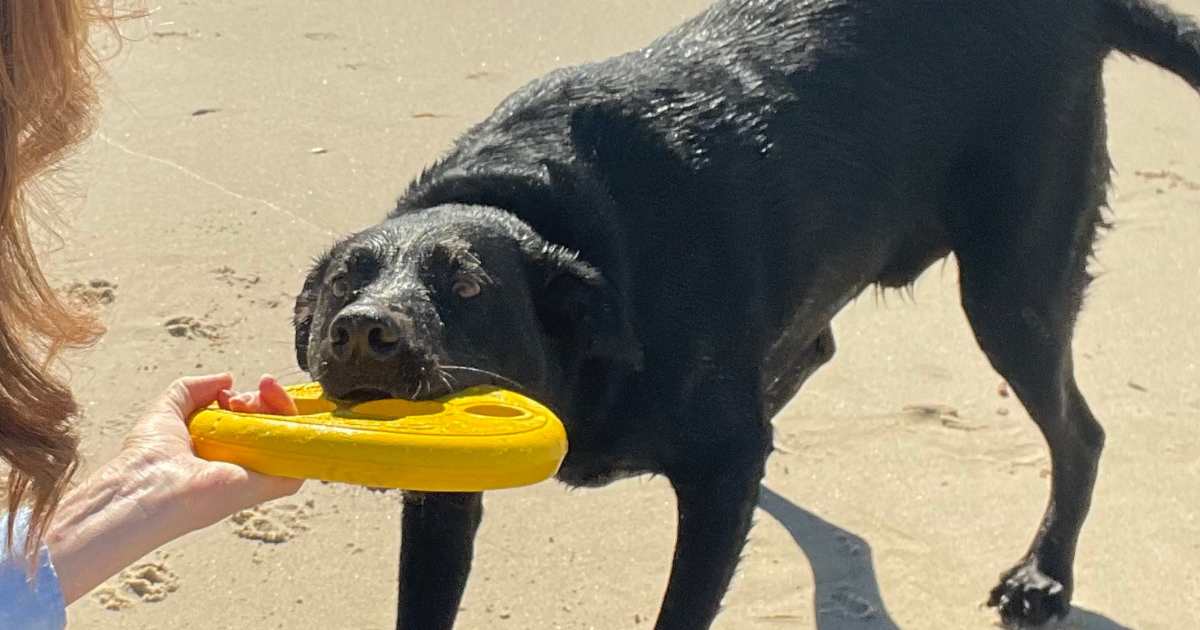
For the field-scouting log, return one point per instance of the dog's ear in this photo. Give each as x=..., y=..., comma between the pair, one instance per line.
x=610, y=135
x=637, y=163
x=583, y=312
x=302, y=313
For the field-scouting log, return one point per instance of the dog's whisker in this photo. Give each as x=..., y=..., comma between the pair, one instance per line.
x=441, y=374
x=493, y=378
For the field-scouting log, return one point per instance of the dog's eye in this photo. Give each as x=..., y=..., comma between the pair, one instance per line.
x=466, y=288
x=340, y=287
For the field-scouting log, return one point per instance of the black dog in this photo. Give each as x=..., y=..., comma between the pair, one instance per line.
x=654, y=245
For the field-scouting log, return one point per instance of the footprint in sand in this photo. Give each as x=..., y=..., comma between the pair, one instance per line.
x=150, y=581
x=243, y=285
x=272, y=524
x=111, y=598
x=945, y=415
x=1015, y=457
x=93, y=293
x=144, y=582
x=231, y=277
x=1170, y=179
x=188, y=327
x=849, y=545
x=845, y=603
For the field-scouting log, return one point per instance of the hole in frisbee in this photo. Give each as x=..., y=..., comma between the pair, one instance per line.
x=395, y=409
x=314, y=406
x=495, y=411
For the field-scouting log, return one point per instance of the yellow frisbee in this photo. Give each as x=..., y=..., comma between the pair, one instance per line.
x=482, y=438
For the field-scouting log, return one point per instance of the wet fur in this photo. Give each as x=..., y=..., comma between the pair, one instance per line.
x=729, y=188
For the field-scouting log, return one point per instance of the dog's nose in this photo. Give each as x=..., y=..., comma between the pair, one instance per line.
x=371, y=333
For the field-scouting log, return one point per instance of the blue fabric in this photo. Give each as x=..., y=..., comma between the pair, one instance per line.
x=27, y=602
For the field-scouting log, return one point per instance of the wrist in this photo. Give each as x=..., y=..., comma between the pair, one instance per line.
x=156, y=488
x=122, y=512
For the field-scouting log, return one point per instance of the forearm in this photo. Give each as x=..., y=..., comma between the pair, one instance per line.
x=115, y=517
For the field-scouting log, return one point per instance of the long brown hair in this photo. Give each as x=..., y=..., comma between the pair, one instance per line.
x=47, y=102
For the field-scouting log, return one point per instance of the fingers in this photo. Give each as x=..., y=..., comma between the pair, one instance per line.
x=246, y=402
x=271, y=398
x=274, y=398
x=186, y=395
x=268, y=488
x=241, y=488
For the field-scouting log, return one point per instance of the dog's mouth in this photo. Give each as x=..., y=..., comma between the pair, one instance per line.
x=357, y=393
x=437, y=383
x=352, y=391
x=363, y=394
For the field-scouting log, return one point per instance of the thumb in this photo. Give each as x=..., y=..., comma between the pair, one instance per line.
x=217, y=489
x=270, y=488
x=241, y=488
x=186, y=395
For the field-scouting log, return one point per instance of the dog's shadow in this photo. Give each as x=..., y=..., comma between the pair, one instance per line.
x=847, y=592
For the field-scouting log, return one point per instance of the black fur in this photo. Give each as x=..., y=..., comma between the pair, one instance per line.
x=655, y=246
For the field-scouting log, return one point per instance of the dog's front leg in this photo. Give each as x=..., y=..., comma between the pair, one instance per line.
x=715, y=508
x=437, y=543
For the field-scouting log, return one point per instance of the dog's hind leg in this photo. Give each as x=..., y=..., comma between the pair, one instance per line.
x=1039, y=368
x=1023, y=253
x=436, y=546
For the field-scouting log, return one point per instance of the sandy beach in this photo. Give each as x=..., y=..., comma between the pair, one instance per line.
x=241, y=138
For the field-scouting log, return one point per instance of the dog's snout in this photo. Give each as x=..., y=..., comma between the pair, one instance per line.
x=369, y=332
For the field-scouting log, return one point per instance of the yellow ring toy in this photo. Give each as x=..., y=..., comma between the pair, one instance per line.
x=482, y=438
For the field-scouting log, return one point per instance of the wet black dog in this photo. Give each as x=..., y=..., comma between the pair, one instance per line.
x=655, y=244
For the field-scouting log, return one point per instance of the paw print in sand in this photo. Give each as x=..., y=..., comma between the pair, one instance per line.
x=272, y=524
x=93, y=293
x=144, y=582
x=189, y=327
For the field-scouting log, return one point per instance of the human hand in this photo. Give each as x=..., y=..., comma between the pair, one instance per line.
x=155, y=489
x=204, y=492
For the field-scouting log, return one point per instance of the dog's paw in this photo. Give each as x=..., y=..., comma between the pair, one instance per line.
x=1026, y=597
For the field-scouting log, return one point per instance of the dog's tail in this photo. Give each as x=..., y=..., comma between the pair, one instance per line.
x=1152, y=31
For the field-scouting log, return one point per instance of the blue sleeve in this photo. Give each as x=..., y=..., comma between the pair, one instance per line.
x=27, y=603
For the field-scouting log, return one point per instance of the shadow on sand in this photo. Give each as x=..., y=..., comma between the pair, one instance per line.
x=847, y=592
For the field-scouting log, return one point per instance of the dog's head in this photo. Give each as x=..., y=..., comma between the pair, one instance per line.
x=434, y=301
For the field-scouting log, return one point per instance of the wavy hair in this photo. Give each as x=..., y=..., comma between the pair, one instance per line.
x=47, y=107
